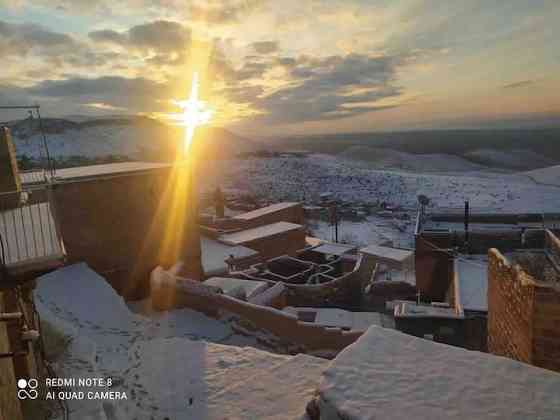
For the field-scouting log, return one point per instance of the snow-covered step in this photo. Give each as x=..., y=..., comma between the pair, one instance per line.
x=278, y=393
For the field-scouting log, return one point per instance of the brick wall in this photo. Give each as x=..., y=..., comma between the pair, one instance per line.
x=523, y=315
x=124, y=226
x=546, y=328
x=510, y=309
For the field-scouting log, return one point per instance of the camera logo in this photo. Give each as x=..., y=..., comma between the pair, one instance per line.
x=27, y=389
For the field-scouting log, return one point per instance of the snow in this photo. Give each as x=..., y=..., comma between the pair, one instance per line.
x=244, y=236
x=388, y=255
x=338, y=318
x=334, y=249
x=154, y=357
x=394, y=159
x=388, y=374
x=472, y=282
x=229, y=285
x=273, y=208
x=546, y=176
x=215, y=253
x=298, y=178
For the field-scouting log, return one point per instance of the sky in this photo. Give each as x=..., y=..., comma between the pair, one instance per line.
x=289, y=67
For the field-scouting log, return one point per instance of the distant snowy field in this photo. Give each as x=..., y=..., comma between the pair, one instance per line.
x=307, y=177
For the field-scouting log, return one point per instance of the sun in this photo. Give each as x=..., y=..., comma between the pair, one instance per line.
x=194, y=113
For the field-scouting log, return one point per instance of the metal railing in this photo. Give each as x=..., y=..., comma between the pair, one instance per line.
x=28, y=228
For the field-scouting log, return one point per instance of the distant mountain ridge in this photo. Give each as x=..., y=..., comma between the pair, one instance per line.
x=135, y=138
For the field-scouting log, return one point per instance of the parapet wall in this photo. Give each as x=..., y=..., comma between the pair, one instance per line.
x=279, y=323
x=124, y=226
x=523, y=315
x=510, y=309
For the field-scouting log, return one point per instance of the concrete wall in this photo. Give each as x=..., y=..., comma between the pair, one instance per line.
x=124, y=226
x=434, y=266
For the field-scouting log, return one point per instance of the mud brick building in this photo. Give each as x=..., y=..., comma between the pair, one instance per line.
x=524, y=304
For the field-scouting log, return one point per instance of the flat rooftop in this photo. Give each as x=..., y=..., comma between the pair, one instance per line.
x=336, y=318
x=387, y=253
x=329, y=248
x=471, y=287
x=94, y=171
x=214, y=254
x=409, y=309
x=273, y=208
x=386, y=374
x=249, y=235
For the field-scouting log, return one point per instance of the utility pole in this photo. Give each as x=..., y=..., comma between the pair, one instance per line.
x=467, y=225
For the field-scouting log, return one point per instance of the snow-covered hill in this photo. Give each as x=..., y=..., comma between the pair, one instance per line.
x=135, y=138
x=519, y=159
x=547, y=176
x=384, y=158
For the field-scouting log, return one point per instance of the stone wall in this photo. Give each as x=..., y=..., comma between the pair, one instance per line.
x=523, y=315
x=277, y=322
x=124, y=226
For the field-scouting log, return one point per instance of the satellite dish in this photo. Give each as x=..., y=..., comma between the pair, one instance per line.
x=422, y=199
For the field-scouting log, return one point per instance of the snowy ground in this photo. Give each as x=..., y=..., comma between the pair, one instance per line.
x=306, y=177
x=390, y=375
x=160, y=360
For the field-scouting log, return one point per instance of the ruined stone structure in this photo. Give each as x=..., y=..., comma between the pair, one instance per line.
x=524, y=309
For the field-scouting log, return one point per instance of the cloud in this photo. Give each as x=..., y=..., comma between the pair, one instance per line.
x=23, y=40
x=160, y=35
x=522, y=83
x=20, y=39
x=136, y=94
x=265, y=47
x=223, y=12
x=326, y=88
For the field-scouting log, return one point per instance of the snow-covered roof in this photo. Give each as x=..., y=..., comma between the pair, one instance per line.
x=471, y=286
x=330, y=248
x=387, y=253
x=241, y=237
x=337, y=318
x=388, y=374
x=214, y=254
x=229, y=285
x=408, y=309
x=273, y=208
x=93, y=171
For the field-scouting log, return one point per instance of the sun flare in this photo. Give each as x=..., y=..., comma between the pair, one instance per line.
x=194, y=113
